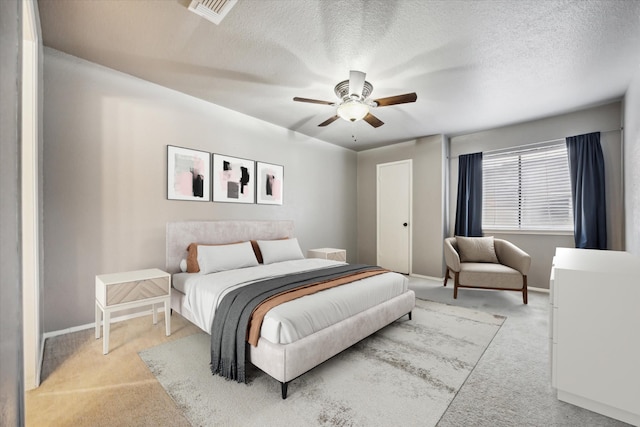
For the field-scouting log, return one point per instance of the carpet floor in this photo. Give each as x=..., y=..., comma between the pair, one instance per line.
x=81, y=387
x=509, y=386
x=405, y=374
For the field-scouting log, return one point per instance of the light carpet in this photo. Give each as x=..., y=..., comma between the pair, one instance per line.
x=405, y=374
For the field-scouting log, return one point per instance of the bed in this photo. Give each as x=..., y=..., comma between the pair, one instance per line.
x=281, y=353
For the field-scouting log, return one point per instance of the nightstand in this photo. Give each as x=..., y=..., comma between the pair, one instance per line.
x=328, y=253
x=121, y=291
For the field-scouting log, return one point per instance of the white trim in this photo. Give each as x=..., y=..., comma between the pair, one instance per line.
x=441, y=279
x=41, y=359
x=421, y=276
x=33, y=343
x=541, y=290
x=93, y=325
x=539, y=232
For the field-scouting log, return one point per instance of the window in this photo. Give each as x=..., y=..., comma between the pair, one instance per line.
x=527, y=190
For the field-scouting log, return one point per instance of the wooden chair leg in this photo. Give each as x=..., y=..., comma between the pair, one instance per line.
x=455, y=285
x=525, y=298
x=446, y=277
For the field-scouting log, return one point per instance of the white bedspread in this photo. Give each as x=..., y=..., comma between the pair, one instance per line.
x=296, y=319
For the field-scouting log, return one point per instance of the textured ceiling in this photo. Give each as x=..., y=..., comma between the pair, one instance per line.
x=473, y=64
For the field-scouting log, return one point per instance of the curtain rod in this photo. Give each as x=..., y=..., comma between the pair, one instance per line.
x=533, y=144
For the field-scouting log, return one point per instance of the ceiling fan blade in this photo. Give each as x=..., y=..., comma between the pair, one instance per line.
x=398, y=99
x=373, y=120
x=313, y=101
x=356, y=82
x=329, y=121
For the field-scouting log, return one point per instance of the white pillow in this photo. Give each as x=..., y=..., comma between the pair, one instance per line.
x=225, y=257
x=279, y=250
x=183, y=265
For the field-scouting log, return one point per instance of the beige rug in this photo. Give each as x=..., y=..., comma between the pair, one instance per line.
x=406, y=374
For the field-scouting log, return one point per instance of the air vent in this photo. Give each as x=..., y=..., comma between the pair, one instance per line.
x=212, y=10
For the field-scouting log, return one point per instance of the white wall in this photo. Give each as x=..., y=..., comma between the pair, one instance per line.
x=428, y=201
x=631, y=162
x=606, y=119
x=105, y=206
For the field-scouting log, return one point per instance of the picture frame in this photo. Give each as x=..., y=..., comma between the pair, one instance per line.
x=188, y=174
x=233, y=179
x=270, y=183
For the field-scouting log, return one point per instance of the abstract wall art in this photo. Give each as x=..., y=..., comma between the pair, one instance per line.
x=270, y=180
x=188, y=174
x=233, y=179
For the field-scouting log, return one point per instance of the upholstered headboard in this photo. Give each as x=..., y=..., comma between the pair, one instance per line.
x=182, y=233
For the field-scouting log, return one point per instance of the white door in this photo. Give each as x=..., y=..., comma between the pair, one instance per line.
x=394, y=215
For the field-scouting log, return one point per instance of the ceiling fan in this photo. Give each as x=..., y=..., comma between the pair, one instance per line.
x=353, y=100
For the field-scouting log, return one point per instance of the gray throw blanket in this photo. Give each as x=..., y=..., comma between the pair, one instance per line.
x=230, y=323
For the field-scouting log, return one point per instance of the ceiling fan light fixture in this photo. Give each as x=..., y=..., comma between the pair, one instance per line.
x=353, y=110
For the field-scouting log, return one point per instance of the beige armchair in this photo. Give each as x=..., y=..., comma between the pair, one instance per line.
x=487, y=263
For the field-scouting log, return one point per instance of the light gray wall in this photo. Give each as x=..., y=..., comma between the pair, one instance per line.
x=105, y=206
x=632, y=164
x=428, y=201
x=604, y=118
x=11, y=365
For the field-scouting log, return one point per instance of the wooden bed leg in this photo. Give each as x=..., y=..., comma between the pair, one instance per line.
x=283, y=386
x=410, y=313
x=446, y=277
x=524, y=290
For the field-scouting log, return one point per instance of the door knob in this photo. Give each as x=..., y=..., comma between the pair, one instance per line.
x=405, y=224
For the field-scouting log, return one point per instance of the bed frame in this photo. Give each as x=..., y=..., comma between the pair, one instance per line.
x=284, y=362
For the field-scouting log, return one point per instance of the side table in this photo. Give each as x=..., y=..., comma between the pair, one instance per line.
x=328, y=253
x=121, y=291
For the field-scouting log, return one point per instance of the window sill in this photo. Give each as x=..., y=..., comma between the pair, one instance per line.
x=536, y=232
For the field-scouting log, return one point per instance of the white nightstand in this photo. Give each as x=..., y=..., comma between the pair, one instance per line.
x=328, y=253
x=121, y=291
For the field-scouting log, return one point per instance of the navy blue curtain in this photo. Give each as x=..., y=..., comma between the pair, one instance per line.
x=469, y=207
x=586, y=167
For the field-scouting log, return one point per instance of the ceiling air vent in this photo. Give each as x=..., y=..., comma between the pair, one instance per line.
x=212, y=10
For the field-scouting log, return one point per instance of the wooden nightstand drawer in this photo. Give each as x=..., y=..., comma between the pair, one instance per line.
x=137, y=290
x=120, y=288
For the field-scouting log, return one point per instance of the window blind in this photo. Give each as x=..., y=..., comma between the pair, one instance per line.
x=527, y=189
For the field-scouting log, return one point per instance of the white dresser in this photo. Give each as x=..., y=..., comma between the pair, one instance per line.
x=595, y=331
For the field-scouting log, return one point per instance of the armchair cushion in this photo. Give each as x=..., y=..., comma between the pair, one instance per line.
x=477, y=249
x=489, y=275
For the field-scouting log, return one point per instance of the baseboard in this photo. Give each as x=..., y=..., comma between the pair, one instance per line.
x=420, y=276
x=93, y=325
x=40, y=362
x=541, y=290
x=441, y=279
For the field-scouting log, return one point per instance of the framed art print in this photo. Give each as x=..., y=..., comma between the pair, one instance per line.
x=233, y=179
x=188, y=174
x=270, y=180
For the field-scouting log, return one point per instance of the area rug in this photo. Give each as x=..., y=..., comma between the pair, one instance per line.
x=405, y=374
